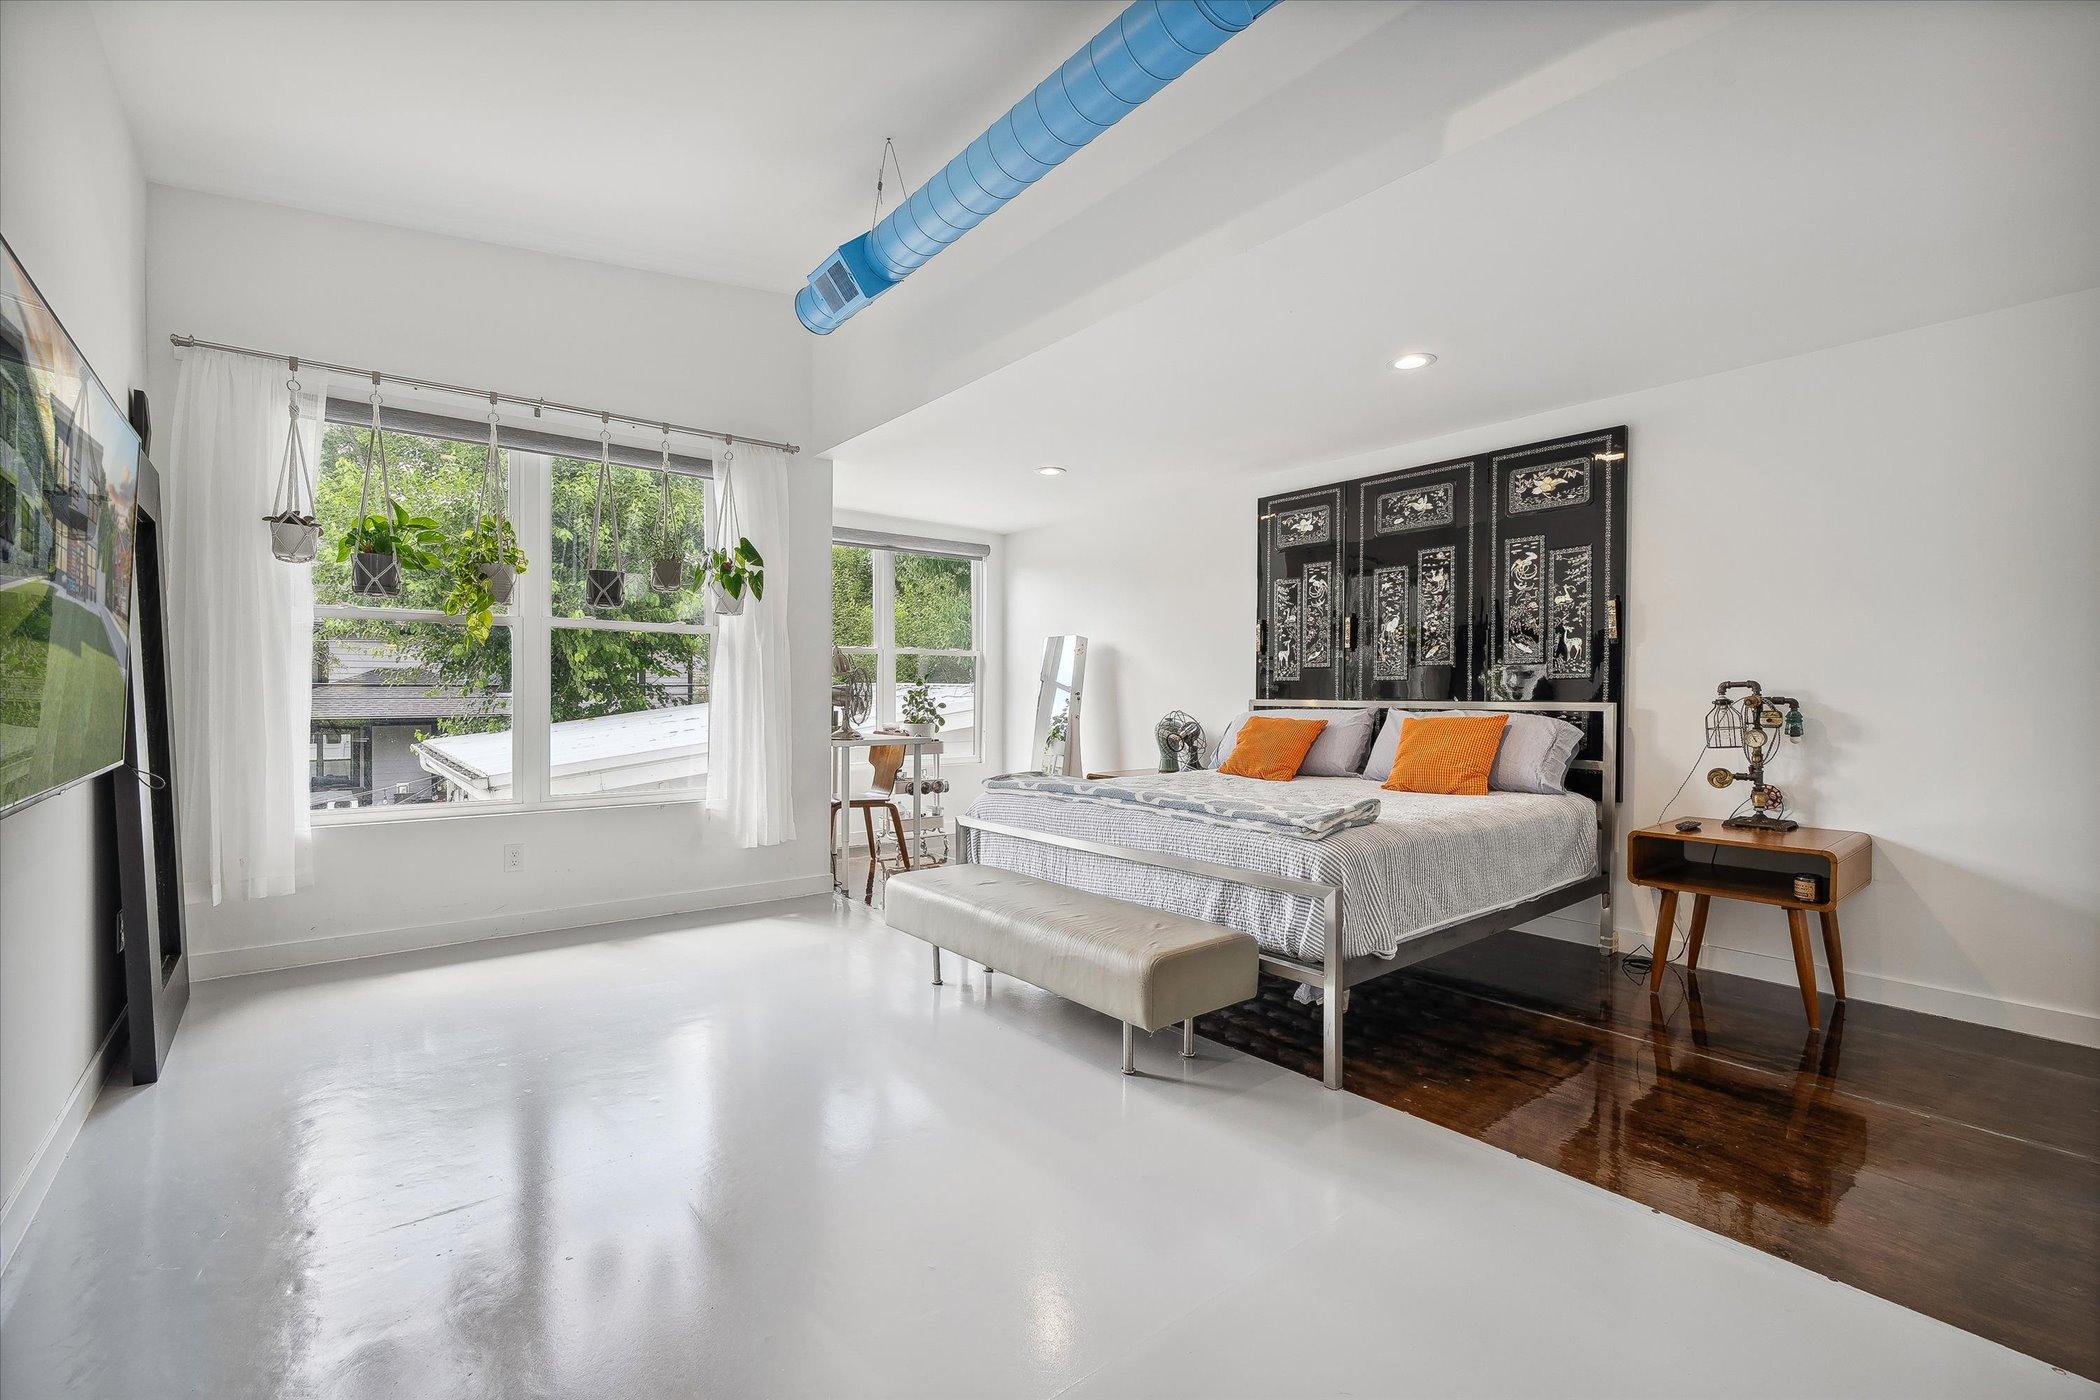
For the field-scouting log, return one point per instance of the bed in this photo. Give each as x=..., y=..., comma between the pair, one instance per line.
x=1428, y=874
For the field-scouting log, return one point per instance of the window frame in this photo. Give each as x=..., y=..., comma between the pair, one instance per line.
x=883, y=625
x=530, y=624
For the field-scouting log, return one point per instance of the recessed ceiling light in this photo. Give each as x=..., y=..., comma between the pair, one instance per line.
x=1414, y=359
x=1050, y=470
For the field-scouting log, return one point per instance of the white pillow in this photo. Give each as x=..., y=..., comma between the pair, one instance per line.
x=1337, y=753
x=1534, y=756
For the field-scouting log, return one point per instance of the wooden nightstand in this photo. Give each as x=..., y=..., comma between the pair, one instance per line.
x=1759, y=867
x=1121, y=773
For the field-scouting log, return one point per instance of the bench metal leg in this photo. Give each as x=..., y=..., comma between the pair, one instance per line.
x=1188, y=1039
x=936, y=963
x=1129, y=1049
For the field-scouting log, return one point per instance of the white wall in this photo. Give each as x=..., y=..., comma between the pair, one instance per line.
x=1917, y=512
x=72, y=206
x=522, y=322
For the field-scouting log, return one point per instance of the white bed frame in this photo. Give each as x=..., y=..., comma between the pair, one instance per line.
x=1335, y=974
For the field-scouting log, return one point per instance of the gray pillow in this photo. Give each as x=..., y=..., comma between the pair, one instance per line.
x=1534, y=756
x=1337, y=753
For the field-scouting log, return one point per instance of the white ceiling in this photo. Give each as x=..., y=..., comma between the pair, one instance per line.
x=1789, y=178
x=731, y=142
x=1566, y=202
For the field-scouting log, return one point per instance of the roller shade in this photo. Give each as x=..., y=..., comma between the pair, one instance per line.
x=909, y=544
x=357, y=413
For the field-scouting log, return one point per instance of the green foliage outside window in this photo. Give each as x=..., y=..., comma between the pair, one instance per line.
x=593, y=673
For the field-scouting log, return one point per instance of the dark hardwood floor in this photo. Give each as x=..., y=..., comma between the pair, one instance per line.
x=1948, y=1167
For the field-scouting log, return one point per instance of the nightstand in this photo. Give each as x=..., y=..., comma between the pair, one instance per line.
x=1122, y=773
x=1760, y=867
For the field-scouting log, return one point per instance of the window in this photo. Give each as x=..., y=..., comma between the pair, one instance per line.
x=905, y=618
x=560, y=705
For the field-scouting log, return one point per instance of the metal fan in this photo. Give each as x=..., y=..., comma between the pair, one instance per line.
x=1180, y=740
x=852, y=696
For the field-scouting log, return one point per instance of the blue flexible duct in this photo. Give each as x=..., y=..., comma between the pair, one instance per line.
x=1139, y=52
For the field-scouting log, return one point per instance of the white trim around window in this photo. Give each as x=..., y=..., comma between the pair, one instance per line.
x=885, y=651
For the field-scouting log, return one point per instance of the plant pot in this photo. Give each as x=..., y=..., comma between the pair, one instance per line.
x=667, y=574
x=375, y=575
x=293, y=539
x=605, y=588
x=724, y=604
x=922, y=728
x=502, y=579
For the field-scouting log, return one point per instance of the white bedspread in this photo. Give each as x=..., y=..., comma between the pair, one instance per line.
x=1426, y=861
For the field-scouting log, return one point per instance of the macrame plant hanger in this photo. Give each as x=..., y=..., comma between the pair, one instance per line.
x=294, y=533
x=374, y=574
x=725, y=533
x=605, y=588
x=667, y=568
x=491, y=510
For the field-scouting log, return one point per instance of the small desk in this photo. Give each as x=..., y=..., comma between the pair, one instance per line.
x=841, y=833
x=1661, y=857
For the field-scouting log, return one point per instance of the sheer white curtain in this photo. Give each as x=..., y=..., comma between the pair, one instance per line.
x=242, y=623
x=749, y=773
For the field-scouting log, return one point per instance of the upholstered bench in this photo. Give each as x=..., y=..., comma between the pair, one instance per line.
x=1146, y=968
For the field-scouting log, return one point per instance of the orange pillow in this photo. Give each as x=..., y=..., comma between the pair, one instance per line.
x=1272, y=748
x=1451, y=754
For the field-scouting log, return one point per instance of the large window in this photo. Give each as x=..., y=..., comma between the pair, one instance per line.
x=906, y=618
x=561, y=704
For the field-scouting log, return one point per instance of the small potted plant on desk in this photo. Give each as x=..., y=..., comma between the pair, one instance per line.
x=482, y=568
x=921, y=716
x=378, y=545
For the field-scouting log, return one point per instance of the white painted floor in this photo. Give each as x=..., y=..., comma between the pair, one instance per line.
x=757, y=1154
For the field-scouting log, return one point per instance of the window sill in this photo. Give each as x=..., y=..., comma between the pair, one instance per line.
x=467, y=811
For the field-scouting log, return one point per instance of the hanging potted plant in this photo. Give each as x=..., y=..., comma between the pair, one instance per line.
x=667, y=562
x=729, y=573
x=295, y=536
x=483, y=564
x=481, y=568
x=921, y=716
x=604, y=588
x=381, y=541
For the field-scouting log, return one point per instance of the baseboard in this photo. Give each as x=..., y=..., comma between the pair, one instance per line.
x=2049, y=1022
x=50, y=1154
x=209, y=965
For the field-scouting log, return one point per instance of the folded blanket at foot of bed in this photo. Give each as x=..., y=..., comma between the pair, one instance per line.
x=1247, y=804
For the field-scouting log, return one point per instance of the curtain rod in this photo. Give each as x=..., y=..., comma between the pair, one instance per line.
x=294, y=361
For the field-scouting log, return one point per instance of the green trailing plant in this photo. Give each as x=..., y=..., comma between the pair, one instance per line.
x=920, y=709
x=734, y=570
x=470, y=593
x=416, y=540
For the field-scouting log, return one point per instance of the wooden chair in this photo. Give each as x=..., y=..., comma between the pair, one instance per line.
x=887, y=760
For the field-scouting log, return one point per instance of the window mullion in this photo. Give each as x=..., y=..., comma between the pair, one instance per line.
x=531, y=658
x=885, y=567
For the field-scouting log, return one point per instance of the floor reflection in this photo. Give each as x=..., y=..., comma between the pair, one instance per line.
x=1908, y=1155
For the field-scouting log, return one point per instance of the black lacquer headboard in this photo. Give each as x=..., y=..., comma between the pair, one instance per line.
x=1495, y=576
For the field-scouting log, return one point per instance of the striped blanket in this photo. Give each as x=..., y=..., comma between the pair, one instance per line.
x=1246, y=804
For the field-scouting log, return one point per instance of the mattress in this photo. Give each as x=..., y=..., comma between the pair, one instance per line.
x=1427, y=861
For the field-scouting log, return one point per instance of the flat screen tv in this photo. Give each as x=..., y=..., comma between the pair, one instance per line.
x=68, y=497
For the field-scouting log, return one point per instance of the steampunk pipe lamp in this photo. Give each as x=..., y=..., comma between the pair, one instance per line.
x=1752, y=724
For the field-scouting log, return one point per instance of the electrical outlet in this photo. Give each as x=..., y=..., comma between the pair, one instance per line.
x=514, y=857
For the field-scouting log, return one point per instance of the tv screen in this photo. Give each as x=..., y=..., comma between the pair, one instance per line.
x=68, y=496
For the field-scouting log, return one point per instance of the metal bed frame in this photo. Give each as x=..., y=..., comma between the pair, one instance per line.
x=1335, y=974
